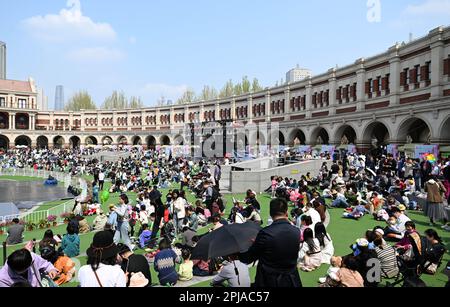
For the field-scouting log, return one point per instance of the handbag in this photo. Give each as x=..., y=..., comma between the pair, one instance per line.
x=43, y=279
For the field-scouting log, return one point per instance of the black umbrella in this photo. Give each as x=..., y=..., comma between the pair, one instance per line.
x=227, y=240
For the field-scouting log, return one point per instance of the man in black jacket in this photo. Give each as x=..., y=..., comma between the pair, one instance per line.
x=276, y=248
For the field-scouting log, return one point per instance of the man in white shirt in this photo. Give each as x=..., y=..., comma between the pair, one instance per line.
x=101, y=180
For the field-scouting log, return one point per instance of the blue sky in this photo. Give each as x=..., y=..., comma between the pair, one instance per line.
x=161, y=47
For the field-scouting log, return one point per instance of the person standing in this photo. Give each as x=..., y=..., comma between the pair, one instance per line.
x=101, y=180
x=435, y=208
x=217, y=175
x=15, y=233
x=425, y=171
x=122, y=211
x=276, y=249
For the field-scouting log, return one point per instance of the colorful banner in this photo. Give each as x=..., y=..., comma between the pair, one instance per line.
x=422, y=150
x=327, y=149
x=392, y=149
x=352, y=149
x=304, y=149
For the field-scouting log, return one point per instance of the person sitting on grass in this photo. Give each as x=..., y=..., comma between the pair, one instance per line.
x=63, y=264
x=348, y=275
x=100, y=221
x=15, y=233
x=146, y=237
x=48, y=239
x=70, y=244
x=102, y=269
x=134, y=265
x=164, y=264
x=331, y=279
x=185, y=271
x=24, y=266
x=233, y=274
x=432, y=252
x=310, y=254
x=305, y=223
x=397, y=231
x=357, y=212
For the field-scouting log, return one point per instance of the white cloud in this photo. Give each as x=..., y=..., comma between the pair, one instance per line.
x=427, y=14
x=132, y=40
x=69, y=25
x=429, y=8
x=95, y=54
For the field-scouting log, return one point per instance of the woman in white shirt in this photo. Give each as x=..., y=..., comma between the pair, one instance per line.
x=102, y=270
x=326, y=244
x=122, y=222
x=310, y=254
x=178, y=208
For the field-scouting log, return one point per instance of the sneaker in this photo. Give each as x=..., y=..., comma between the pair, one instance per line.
x=447, y=228
x=322, y=280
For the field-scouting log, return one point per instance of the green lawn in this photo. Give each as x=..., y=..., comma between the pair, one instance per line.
x=343, y=232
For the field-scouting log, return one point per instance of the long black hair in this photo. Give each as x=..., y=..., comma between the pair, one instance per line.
x=433, y=234
x=308, y=238
x=95, y=261
x=321, y=233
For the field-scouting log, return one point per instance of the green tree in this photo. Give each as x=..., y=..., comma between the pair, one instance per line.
x=238, y=89
x=117, y=100
x=81, y=100
x=256, y=87
x=187, y=97
x=246, y=85
x=207, y=93
x=227, y=90
x=135, y=103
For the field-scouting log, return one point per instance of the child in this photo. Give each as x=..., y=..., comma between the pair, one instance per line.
x=357, y=213
x=185, y=270
x=145, y=237
x=348, y=275
x=70, y=244
x=305, y=223
x=332, y=280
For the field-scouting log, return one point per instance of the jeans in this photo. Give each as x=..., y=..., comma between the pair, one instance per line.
x=121, y=234
x=197, y=272
x=339, y=202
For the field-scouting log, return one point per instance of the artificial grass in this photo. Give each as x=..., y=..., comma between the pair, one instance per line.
x=344, y=232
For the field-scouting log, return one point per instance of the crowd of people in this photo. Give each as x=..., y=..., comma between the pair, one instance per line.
x=163, y=230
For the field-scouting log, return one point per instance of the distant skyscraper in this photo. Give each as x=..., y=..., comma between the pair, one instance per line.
x=59, y=98
x=42, y=100
x=2, y=60
x=297, y=74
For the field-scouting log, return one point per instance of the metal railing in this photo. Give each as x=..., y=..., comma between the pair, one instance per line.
x=37, y=216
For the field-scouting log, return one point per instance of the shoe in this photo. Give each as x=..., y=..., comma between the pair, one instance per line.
x=447, y=228
x=322, y=280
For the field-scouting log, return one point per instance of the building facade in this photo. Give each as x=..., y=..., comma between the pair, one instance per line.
x=397, y=97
